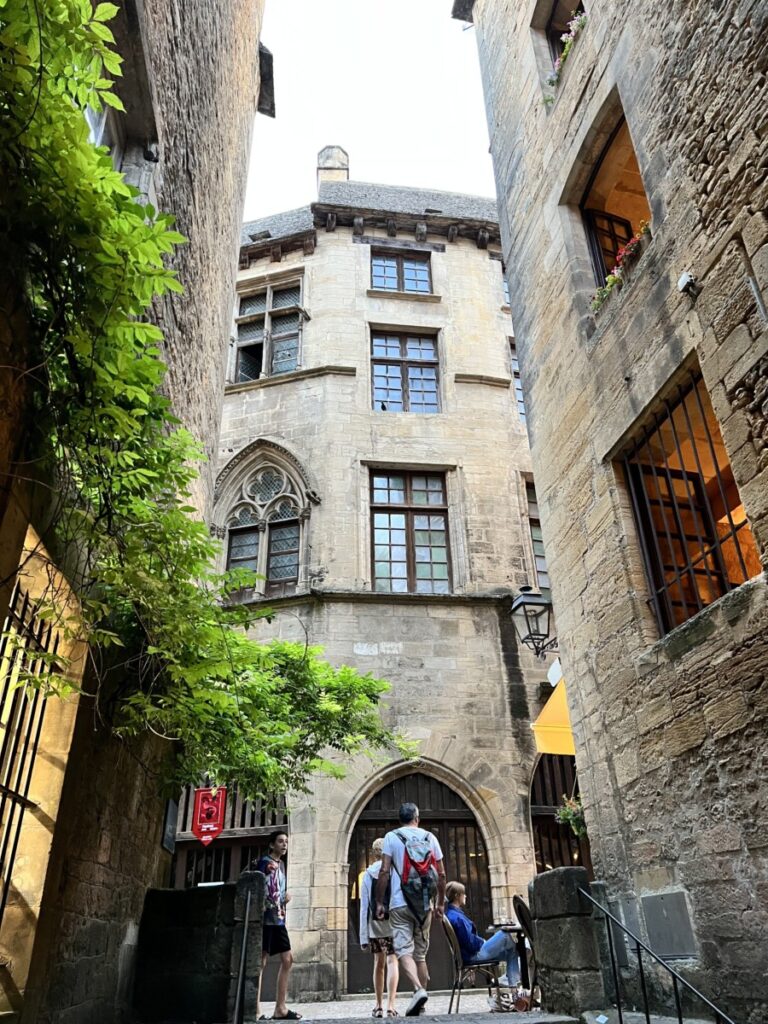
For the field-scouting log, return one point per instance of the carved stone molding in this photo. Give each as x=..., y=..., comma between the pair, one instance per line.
x=251, y=452
x=391, y=228
x=330, y=222
x=453, y=232
x=358, y=225
x=483, y=237
x=421, y=231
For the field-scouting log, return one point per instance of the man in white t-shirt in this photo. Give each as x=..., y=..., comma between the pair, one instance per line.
x=410, y=932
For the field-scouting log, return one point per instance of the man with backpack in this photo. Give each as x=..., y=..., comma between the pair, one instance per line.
x=417, y=888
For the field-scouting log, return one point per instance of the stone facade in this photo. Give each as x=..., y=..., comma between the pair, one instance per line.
x=670, y=726
x=91, y=841
x=461, y=685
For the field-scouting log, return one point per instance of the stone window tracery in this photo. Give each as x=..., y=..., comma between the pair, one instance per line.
x=265, y=528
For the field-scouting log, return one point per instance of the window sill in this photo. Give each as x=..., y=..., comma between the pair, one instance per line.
x=481, y=378
x=383, y=293
x=284, y=378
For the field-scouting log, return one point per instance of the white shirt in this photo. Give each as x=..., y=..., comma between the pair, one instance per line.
x=395, y=848
x=367, y=897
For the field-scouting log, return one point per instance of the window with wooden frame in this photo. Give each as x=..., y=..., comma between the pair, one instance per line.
x=614, y=204
x=401, y=272
x=696, y=540
x=409, y=520
x=563, y=11
x=405, y=372
x=268, y=329
x=264, y=530
x=534, y=524
x=516, y=379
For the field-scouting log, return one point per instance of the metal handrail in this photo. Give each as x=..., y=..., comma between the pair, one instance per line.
x=720, y=1017
x=239, y=1013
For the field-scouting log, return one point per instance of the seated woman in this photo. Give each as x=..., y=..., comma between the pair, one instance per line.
x=500, y=946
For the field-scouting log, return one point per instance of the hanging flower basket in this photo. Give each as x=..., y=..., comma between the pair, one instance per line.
x=625, y=258
x=572, y=813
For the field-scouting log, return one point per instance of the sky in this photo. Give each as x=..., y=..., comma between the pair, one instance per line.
x=396, y=83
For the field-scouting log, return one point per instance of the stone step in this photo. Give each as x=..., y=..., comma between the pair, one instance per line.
x=632, y=1017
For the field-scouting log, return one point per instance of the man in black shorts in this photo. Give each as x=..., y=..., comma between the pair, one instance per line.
x=275, y=940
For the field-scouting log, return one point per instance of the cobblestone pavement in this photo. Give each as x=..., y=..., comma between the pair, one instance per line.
x=474, y=1010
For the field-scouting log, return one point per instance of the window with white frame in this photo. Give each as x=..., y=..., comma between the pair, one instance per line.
x=265, y=529
x=539, y=557
x=519, y=397
x=268, y=332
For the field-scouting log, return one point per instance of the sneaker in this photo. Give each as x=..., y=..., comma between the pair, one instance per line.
x=419, y=998
x=503, y=981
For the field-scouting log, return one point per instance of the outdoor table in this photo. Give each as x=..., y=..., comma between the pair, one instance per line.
x=522, y=953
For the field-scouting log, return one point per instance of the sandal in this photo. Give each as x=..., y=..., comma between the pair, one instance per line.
x=291, y=1015
x=392, y=1013
x=377, y=1012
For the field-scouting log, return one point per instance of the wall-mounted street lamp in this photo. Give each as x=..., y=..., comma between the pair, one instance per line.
x=532, y=616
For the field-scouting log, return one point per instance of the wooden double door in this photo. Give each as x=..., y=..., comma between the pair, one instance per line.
x=466, y=860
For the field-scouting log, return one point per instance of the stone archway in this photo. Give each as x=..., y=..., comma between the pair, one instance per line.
x=446, y=814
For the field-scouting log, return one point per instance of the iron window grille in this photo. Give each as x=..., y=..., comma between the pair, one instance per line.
x=534, y=523
x=520, y=399
x=694, y=534
x=268, y=331
x=395, y=272
x=28, y=648
x=409, y=521
x=557, y=25
x=405, y=373
x=505, y=288
x=265, y=532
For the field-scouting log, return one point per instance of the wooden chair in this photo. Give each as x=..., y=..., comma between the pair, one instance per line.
x=462, y=972
x=525, y=919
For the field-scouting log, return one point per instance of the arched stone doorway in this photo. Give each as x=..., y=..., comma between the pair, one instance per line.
x=466, y=858
x=555, y=845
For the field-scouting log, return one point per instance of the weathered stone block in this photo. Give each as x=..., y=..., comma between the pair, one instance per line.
x=556, y=893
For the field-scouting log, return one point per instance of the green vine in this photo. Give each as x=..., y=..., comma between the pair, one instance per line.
x=89, y=262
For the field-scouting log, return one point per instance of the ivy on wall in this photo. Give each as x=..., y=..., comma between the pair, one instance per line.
x=89, y=261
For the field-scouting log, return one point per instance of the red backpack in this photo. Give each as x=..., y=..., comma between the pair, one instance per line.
x=418, y=880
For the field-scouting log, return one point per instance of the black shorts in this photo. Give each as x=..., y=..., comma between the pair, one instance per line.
x=274, y=939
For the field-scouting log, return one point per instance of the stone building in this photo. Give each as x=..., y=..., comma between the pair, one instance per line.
x=647, y=416
x=374, y=468
x=81, y=822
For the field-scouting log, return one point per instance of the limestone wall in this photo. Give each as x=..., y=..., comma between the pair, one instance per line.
x=670, y=732
x=460, y=685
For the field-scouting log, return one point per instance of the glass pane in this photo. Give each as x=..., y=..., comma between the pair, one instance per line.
x=285, y=355
x=266, y=484
x=415, y=275
x=286, y=323
x=389, y=490
x=384, y=272
x=249, y=363
x=285, y=510
x=251, y=331
x=420, y=348
x=253, y=304
x=286, y=296
x=386, y=345
x=422, y=389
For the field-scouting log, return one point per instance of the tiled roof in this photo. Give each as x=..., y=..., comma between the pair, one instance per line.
x=278, y=225
x=413, y=201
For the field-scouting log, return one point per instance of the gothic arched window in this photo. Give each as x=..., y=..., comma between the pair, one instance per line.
x=265, y=529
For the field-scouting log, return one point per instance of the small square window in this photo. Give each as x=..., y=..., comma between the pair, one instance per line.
x=394, y=272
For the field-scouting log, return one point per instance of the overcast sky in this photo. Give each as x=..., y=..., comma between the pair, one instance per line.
x=396, y=83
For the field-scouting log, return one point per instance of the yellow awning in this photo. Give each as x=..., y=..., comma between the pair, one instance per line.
x=552, y=729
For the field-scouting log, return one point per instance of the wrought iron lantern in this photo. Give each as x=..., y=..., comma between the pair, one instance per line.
x=532, y=616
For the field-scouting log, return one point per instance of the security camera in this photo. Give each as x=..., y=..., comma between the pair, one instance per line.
x=687, y=284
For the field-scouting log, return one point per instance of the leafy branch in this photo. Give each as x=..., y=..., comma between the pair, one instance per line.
x=91, y=261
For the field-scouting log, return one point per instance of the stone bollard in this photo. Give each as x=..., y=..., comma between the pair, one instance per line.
x=566, y=943
x=253, y=882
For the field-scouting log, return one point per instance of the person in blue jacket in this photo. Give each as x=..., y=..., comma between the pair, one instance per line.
x=500, y=946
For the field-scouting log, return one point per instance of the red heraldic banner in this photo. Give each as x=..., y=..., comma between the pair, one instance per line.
x=208, y=817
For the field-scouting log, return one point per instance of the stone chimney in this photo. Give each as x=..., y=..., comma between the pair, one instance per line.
x=332, y=164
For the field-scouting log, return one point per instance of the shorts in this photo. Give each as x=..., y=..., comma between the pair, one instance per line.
x=409, y=937
x=383, y=945
x=274, y=939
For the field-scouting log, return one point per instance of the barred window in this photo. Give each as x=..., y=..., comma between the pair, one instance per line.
x=265, y=530
x=405, y=373
x=409, y=518
x=394, y=272
x=696, y=540
x=534, y=523
x=268, y=330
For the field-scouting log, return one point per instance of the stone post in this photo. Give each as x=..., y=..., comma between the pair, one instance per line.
x=253, y=882
x=566, y=946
